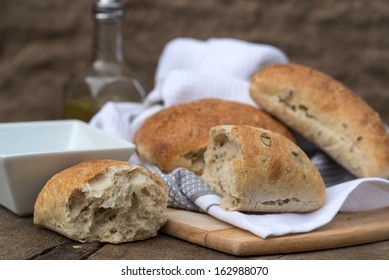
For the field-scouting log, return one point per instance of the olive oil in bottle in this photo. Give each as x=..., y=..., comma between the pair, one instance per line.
x=107, y=77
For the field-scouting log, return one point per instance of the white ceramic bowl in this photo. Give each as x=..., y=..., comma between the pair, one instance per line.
x=32, y=152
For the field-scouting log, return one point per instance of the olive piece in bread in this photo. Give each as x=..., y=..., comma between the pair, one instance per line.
x=258, y=170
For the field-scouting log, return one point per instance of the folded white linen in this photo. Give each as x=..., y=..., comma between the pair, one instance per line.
x=229, y=57
x=190, y=69
x=183, y=86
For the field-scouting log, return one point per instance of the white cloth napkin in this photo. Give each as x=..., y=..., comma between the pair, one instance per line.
x=190, y=69
x=355, y=195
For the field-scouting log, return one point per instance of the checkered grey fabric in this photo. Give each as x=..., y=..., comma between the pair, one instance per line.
x=184, y=188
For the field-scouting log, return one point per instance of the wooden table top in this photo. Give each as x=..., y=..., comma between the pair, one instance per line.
x=20, y=239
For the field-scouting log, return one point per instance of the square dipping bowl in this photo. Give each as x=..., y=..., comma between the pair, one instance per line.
x=32, y=152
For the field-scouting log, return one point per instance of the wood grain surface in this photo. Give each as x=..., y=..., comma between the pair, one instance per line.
x=345, y=229
x=20, y=239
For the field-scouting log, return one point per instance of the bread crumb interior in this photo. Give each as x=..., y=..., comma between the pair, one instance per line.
x=117, y=205
x=219, y=167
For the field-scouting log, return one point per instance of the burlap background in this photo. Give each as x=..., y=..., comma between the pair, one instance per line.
x=42, y=42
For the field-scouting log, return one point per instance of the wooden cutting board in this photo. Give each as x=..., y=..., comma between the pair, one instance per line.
x=344, y=230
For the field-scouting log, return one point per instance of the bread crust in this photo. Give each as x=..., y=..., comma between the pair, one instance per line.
x=53, y=206
x=327, y=113
x=256, y=170
x=178, y=136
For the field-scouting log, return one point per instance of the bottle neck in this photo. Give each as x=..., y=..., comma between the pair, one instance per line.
x=107, y=41
x=108, y=17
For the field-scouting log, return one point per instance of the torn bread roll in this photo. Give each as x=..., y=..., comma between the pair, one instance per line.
x=328, y=114
x=178, y=135
x=257, y=170
x=103, y=200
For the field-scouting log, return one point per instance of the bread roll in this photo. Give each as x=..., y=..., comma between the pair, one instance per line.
x=178, y=136
x=103, y=200
x=256, y=170
x=327, y=113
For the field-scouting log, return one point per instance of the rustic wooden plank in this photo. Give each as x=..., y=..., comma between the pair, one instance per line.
x=370, y=251
x=345, y=230
x=161, y=247
x=70, y=251
x=20, y=239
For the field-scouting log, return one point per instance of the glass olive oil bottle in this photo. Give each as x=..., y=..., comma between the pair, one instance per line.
x=107, y=77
